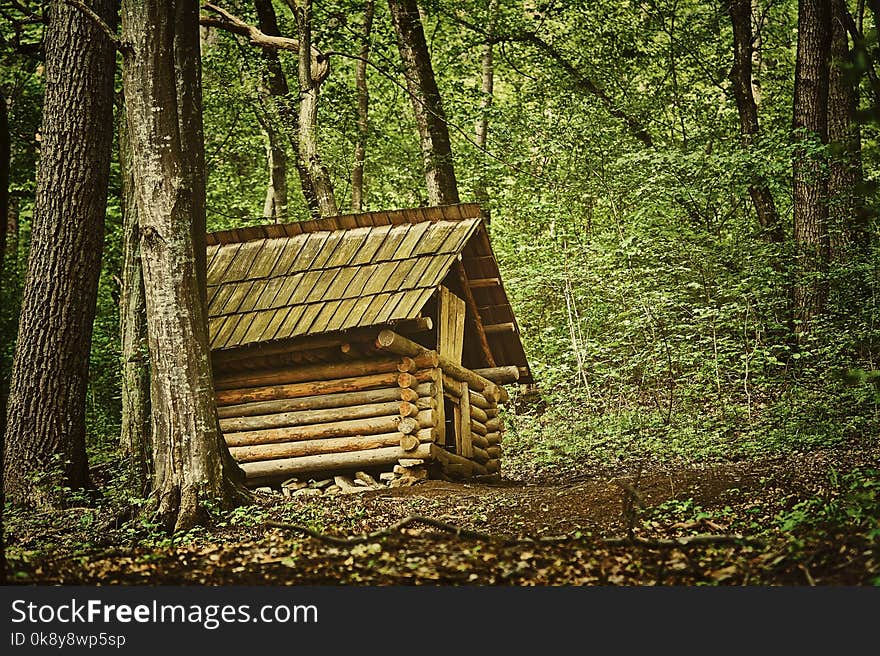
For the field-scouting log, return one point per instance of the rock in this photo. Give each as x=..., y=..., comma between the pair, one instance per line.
x=386, y=476
x=399, y=470
x=318, y=485
x=264, y=490
x=287, y=492
x=333, y=489
x=293, y=484
x=359, y=483
x=404, y=481
x=420, y=473
x=410, y=462
x=344, y=482
x=366, y=479
x=306, y=492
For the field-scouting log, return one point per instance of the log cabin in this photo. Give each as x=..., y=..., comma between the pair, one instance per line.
x=352, y=342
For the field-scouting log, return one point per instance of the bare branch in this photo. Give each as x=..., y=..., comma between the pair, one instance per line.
x=231, y=23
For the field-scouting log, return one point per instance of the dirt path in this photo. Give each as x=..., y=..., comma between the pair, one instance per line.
x=586, y=507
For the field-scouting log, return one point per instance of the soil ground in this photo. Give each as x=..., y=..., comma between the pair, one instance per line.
x=581, y=526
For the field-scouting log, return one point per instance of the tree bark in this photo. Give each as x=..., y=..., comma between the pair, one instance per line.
x=162, y=78
x=135, y=432
x=45, y=432
x=309, y=87
x=810, y=182
x=487, y=87
x=278, y=93
x=363, y=105
x=426, y=103
x=5, y=155
x=743, y=90
x=847, y=218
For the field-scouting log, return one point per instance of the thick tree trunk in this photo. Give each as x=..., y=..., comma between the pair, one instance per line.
x=135, y=433
x=426, y=103
x=744, y=92
x=363, y=105
x=309, y=86
x=45, y=433
x=810, y=181
x=847, y=219
x=163, y=106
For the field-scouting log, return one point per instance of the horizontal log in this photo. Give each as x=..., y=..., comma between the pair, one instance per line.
x=480, y=455
x=444, y=457
x=316, y=447
x=324, y=401
x=268, y=470
x=452, y=386
x=372, y=426
x=369, y=426
x=296, y=390
x=493, y=438
x=475, y=283
x=426, y=403
x=407, y=409
x=496, y=328
x=493, y=466
x=499, y=375
x=481, y=402
x=321, y=371
x=494, y=424
x=278, y=360
x=478, y=427
x=492, y=412
x=494, y=451
x=478, y=413
x=222, y=358
x=408, y=442
x=388, y=340
x=479, y=440
x=308, y=417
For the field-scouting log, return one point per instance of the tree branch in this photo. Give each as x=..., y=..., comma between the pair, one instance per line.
x=581, y=81
x=97, y=20
x=231, y=23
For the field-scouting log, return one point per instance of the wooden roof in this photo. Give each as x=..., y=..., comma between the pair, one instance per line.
x=280, y=281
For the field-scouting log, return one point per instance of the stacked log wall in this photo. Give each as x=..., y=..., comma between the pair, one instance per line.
x=329, y=416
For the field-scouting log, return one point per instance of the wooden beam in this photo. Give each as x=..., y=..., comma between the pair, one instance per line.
x=474, y=313
x=476, y=283
x=325, y=401
x=467, y=445
x=500, y=375
x=388, y=340
x=285, y=467
x=495, y=328
x=220, y=358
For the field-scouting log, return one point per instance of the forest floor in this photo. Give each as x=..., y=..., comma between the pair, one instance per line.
x=808, y=518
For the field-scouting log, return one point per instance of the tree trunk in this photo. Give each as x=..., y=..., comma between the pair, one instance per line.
x=743, y=90
x=278, y=91
x=135, y=433
x=426, y=103
x=5, y=155
x=847, y=219
x=309, y=86
x=810, y=182
x=275, y=204
x=363, y=104
x=45, y=433
x=163, y=105
x=487, y=86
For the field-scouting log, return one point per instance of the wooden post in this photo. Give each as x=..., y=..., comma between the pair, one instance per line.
x=467, y=449
x=475, y=313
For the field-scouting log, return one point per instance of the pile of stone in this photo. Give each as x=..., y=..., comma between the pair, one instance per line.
x=408, y=472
